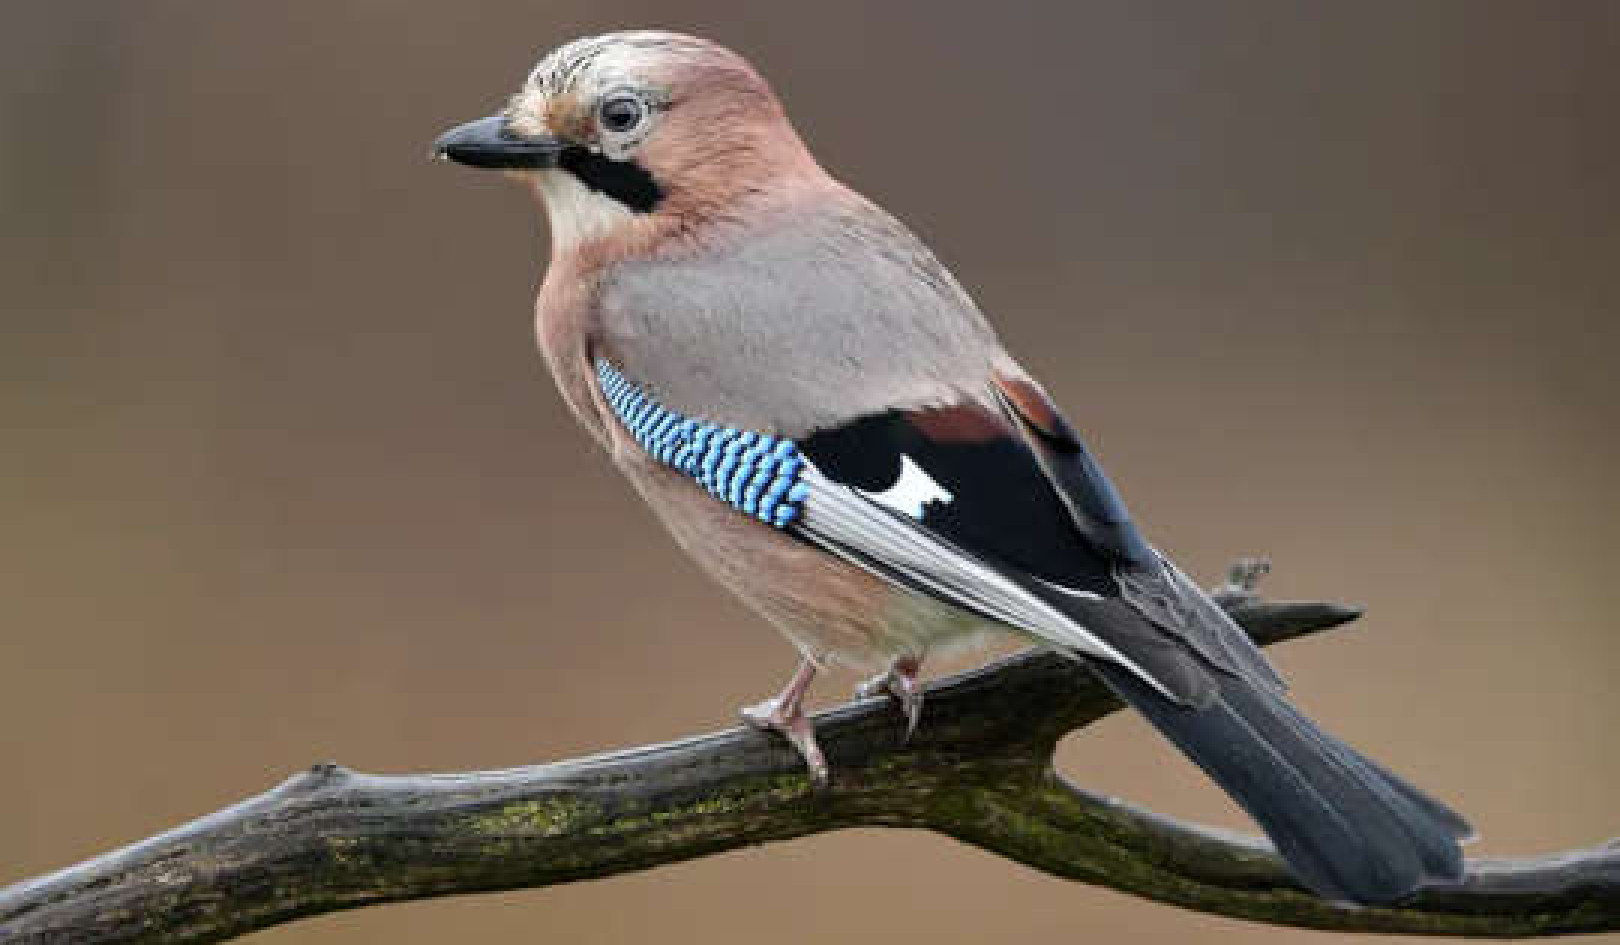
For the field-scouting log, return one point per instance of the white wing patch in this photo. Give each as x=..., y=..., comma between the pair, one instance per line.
x=912, y=492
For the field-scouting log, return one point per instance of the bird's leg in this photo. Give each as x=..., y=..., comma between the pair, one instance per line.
x=785, y=714
x=899, y=681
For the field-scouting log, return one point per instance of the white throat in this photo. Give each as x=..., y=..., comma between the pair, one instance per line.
x=576, y=212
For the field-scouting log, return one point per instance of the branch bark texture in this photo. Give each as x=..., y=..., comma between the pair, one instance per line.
x=979, y=769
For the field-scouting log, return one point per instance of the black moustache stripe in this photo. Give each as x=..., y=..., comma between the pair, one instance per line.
x=624, y=181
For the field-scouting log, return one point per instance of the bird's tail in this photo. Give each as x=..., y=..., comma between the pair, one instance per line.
x=1351, y=830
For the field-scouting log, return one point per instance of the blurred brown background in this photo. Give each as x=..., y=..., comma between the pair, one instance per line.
x=284, y=481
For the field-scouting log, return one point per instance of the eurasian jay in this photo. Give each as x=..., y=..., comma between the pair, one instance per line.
x=822, y=417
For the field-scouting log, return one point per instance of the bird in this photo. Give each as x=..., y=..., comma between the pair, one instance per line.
x=824, y=419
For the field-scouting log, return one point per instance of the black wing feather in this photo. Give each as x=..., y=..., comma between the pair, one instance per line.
x=1003, y=507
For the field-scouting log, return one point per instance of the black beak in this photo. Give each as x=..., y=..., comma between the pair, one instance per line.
x=488, y=142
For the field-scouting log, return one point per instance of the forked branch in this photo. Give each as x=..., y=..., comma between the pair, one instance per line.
x=979, y=769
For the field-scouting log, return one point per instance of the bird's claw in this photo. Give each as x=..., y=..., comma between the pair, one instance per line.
x=796, y=727
x=900, y=682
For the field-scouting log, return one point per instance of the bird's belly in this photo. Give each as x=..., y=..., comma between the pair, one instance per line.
x=833, y=611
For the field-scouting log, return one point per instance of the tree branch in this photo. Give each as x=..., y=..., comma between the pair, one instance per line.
x=979, y=769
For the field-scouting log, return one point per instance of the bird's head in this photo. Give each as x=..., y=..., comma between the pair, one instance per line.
x=616, y=131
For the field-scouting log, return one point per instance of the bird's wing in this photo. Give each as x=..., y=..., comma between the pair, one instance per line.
x=952, y=502
x=1150, y=583
x=945, y=502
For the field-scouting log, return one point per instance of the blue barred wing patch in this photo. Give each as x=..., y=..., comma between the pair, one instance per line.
x=754, y=473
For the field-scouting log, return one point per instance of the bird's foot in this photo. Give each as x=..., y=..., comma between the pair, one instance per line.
x=784, y=715
x=796, y=727
x=900, y=682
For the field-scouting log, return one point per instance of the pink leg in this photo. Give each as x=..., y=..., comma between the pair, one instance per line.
x=900, y=682
x=785, y=715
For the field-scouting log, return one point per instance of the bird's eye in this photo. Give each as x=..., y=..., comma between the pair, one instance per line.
x=622, y=113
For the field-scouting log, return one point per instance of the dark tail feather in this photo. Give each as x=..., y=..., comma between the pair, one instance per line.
x=1352, y=831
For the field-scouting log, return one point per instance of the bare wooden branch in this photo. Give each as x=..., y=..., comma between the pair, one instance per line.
x=979, y=769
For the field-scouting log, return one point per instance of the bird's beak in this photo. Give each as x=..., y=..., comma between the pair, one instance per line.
x=489, y=142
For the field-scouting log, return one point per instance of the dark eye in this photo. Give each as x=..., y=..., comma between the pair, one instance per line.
x=622, y=113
